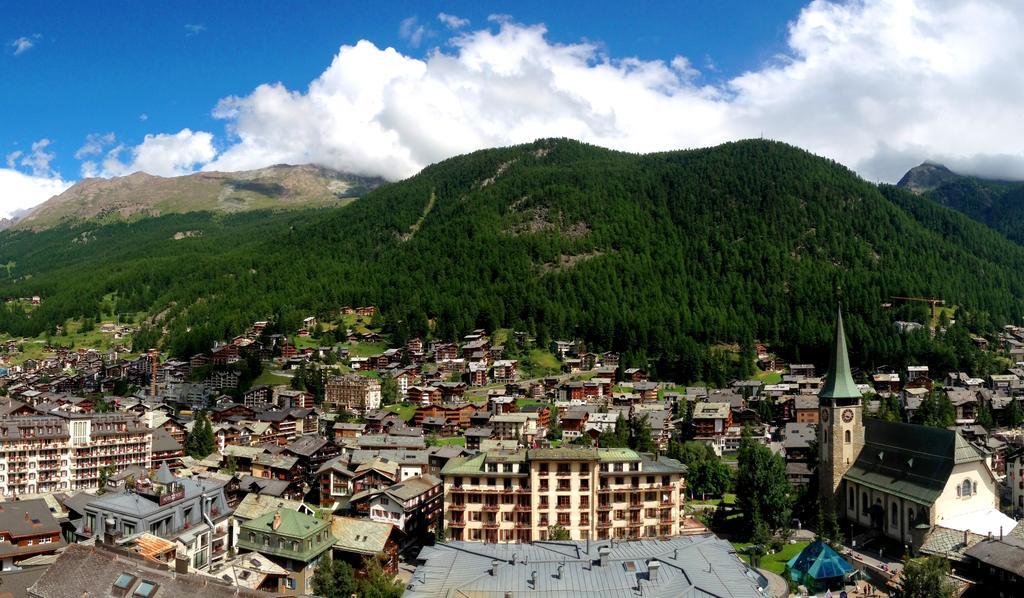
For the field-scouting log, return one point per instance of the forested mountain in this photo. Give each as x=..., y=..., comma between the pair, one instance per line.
x=142, y=195
x=660, y=256
x=999, y=204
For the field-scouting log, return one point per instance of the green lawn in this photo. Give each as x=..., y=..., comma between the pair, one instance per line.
x=540, y=363
x=450, y=441
x=270, y=378
x=404, y=410
x=776, y=563
x=768, y=377
x=365, y=349
x=727, y=499
x=520, y=403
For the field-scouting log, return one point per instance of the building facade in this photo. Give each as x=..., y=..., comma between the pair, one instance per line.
x=519, y=496
x=41, y=454
x=352, y=392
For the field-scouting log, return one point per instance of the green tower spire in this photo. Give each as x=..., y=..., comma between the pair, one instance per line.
x=839, y=381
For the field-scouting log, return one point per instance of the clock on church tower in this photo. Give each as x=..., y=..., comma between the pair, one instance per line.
x=841, y=430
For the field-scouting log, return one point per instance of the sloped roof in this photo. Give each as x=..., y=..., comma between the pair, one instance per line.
x=908, y=460
x=818, y=561
x=688, y=567
x=361, y=536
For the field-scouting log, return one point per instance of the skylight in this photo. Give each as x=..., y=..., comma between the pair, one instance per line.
x=146, y=589
x=124, y=581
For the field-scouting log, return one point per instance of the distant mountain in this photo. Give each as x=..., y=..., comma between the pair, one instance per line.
x=999, y=204
x=926, y=177
x=143, y=195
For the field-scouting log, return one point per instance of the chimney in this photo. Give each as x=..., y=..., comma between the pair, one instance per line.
x=652, y=570
x=602, y=554
x=180, y=563
x=513, y=561
x=560, y=571
x=533, y=579
x=108, y=531
x=494, y=567
x=277, y=520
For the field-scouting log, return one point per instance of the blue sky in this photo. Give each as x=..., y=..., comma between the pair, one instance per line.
x=107, y=88
x=101, y=66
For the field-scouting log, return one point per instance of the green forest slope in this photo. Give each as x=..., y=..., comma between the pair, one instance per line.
x=660, y=256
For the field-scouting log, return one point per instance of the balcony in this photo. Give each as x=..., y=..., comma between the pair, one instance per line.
x=491, y=507
x=605, y=506
x=563, y=474
x=522, y=508
x=491, y=525
x=604, y=524
x=522, y=491
x=456, y=524
x=523, y=525
x=457, y=507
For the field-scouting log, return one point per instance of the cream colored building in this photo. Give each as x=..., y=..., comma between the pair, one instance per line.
x=41, y=454
x=519, y=496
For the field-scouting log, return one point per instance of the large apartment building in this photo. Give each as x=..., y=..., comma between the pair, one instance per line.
x=40, y=454
x=518, y=496
x=352, y=392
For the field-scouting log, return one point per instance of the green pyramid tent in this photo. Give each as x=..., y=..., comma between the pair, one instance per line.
x=818, y=567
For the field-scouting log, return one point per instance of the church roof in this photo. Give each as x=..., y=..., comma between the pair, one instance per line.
x=839, y=381
x=908, y=460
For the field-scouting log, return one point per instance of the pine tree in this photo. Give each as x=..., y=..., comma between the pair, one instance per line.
x=1014, y=416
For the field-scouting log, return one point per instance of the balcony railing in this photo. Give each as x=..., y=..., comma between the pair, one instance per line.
x=456, y=524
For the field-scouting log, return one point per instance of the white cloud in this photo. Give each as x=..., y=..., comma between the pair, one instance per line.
x=452, y=21
x=20, y=191
x=37, y=160
x=192, y=29
x=879, y=85
x=413, y=32
x=24, y=44
x=94, y=145
x=161, y=155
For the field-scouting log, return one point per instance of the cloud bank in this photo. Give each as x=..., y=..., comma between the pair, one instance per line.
x=879, y=85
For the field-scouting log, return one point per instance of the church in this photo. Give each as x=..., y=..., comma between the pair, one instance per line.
x=901, y=480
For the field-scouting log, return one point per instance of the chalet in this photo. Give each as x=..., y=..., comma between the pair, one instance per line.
x=805, y=409
x=258, y=397
x=711, y=419
x=543, y=414
x=347, y=430
x=412, y=505
x=423, y=395
x=477, y=374
x=457, y=413
x=505, y=371
x=886, y=382
x=227, y=411
x=475, y=435
x=634, y=375
x=357, y=539
x=802, y=370
x=27, y=529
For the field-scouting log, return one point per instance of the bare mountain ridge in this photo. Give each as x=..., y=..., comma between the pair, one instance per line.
x=140, y=195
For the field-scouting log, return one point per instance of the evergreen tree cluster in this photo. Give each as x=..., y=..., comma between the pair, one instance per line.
x=661, y=257
x=200, y=441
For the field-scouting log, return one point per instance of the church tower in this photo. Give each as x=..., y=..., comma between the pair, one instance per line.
x=841, y=425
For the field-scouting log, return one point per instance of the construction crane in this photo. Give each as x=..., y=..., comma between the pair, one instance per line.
x=932, y=301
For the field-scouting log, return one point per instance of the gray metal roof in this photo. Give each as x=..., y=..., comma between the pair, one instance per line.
x=688, y=566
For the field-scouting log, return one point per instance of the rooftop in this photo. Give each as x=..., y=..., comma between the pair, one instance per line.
x=691, y=566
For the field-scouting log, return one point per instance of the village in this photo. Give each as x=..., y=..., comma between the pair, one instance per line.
x=429, y=454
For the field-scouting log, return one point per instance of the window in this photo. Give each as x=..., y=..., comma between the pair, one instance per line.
x=895, y=516
x=295, y=545
x=127, y=528
x=543, y=468
x=864, y=503
x=848, y=436
x=146, y=589
x=252, y=537
x=289, y=583
x=965, y=488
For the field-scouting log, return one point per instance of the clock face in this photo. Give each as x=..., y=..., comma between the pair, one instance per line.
x=824, y=415
x=847, y=415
